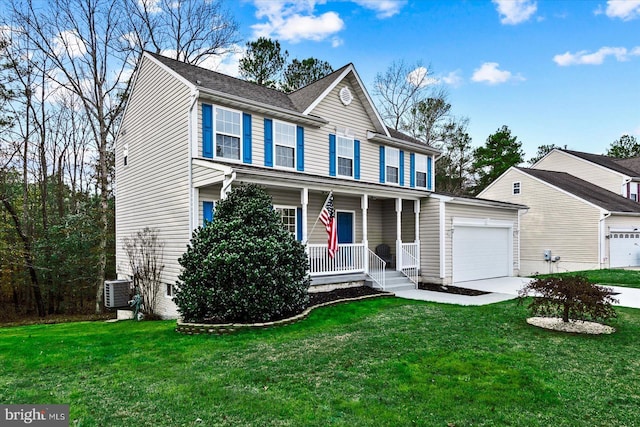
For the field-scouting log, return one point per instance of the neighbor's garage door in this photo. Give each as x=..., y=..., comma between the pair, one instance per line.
x=624, y=249
x=481, y=253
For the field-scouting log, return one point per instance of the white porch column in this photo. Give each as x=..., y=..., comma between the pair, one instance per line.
x=364, y=205
x=304, y=201
x=399, y=234
x=416, y=210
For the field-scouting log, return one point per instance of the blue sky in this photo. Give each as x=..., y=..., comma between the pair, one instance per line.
x=565, y=72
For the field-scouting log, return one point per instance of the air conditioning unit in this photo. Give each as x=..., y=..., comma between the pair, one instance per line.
x=117, y=293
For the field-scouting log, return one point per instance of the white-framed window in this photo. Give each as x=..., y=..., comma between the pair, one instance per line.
x=633, y=197
x=169, y=292
x=284, y=143
x=421, y=170
x=288, y=215
x=228, y=131
x=516, y=188
x=392, y=164
x=344, y=154
x=125, y=154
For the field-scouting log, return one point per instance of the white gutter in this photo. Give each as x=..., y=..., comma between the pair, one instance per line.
x=601, y=237
x=193, y=148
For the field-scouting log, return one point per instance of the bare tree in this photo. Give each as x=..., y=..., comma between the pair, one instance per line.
x=84, y=42
x=145, y=252
x=399, y=89
x=189, y=30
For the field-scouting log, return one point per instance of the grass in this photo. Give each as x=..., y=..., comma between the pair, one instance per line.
x=615, y=277
x=387, y=362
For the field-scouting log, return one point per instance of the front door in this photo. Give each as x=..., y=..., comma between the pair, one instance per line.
x=345, y=227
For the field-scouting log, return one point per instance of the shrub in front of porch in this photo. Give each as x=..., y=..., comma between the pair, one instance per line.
x=244, y=266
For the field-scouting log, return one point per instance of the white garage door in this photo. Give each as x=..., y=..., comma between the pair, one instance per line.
x=624, y=249
x=481, y=253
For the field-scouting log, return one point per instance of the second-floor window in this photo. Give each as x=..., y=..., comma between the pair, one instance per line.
x=392, y=156
x=284, y=139
x=228, y=131
x=421, y=171
x=345, y=156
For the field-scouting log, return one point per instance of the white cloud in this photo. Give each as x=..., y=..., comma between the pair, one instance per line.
x=295, y=21
x=69, y=43
x=383, y=8
x=490, y=73
x=336, y=41
x=596, y=58
x=514, y=12
x=420, y=77
x=622, y=9
x=453, y=79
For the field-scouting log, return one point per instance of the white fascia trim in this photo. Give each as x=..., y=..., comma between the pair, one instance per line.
x=170, y=71
x=193, y=148
x=335, y=83
x=563, y=191
x=402, y=144
x=498, y=179
x=481, y=222
x=215, y=166
x=487, y=203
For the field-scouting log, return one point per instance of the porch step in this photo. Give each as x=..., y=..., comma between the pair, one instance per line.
x=395, y=281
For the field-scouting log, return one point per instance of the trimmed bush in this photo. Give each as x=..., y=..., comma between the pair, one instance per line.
x=569, y=297
x=244, y=266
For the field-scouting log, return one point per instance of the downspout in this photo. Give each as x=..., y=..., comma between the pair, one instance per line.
x=520, y=213
x=601, y=238
x=226, y=184
x=193, y=137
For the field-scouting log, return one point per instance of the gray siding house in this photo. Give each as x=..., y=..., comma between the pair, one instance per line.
x=189, y=135
x=583, y=209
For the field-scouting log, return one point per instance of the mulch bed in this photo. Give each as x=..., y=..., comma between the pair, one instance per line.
x=317, y=298
x=451, y=289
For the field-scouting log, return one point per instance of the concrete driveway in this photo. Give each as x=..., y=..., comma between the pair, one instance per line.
x=502, y=289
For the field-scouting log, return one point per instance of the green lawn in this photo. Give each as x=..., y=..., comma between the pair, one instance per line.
x=615, y=277
x=386, y=362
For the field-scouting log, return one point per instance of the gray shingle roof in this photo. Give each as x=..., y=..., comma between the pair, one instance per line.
x=304, y=97
x=632, y=164
x=229, y=85
x=585, y=190
x=606, y=161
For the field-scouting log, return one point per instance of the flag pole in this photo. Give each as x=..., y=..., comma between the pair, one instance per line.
x=318, y=217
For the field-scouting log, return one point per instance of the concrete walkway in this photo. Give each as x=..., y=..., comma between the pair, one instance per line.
x=502, y=289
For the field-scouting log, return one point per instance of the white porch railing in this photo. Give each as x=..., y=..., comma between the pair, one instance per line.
x=410, y=261
x=377, y=267
x=348, y=259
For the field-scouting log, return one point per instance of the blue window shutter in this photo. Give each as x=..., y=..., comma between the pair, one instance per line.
x=246, y=138
x=429, y=187
x=356, y=159
x=401, y=172
x=300, y=148
x=207, y=131
x=299, y=224
x=382, y=165
x=412, y=170
x=207, y=212
x=268, y=142
x=332, y=155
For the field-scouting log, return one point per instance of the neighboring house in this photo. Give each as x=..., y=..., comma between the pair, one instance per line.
x=189, y=135
x=582, y=209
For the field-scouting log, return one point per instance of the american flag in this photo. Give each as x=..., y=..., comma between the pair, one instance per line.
x=328, y=218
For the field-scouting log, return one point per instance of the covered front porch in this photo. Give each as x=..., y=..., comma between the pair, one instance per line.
x=377, y=225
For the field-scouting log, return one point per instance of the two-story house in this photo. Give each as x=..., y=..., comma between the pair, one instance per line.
x=189, y=135
x=583, y=211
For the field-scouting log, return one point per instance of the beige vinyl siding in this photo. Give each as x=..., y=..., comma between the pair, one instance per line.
x=153, y=189
x=430, y=239
x=563, y=162
x=408, y=227
x=207, y=194
x=202, y=176
x=455, y=210
x=555, y=221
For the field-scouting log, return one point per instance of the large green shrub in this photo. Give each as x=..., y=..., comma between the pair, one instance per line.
x=569, y=297
x=244, y=266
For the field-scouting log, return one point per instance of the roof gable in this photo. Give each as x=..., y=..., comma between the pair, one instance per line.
x=604, y=161
x=584, y=190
